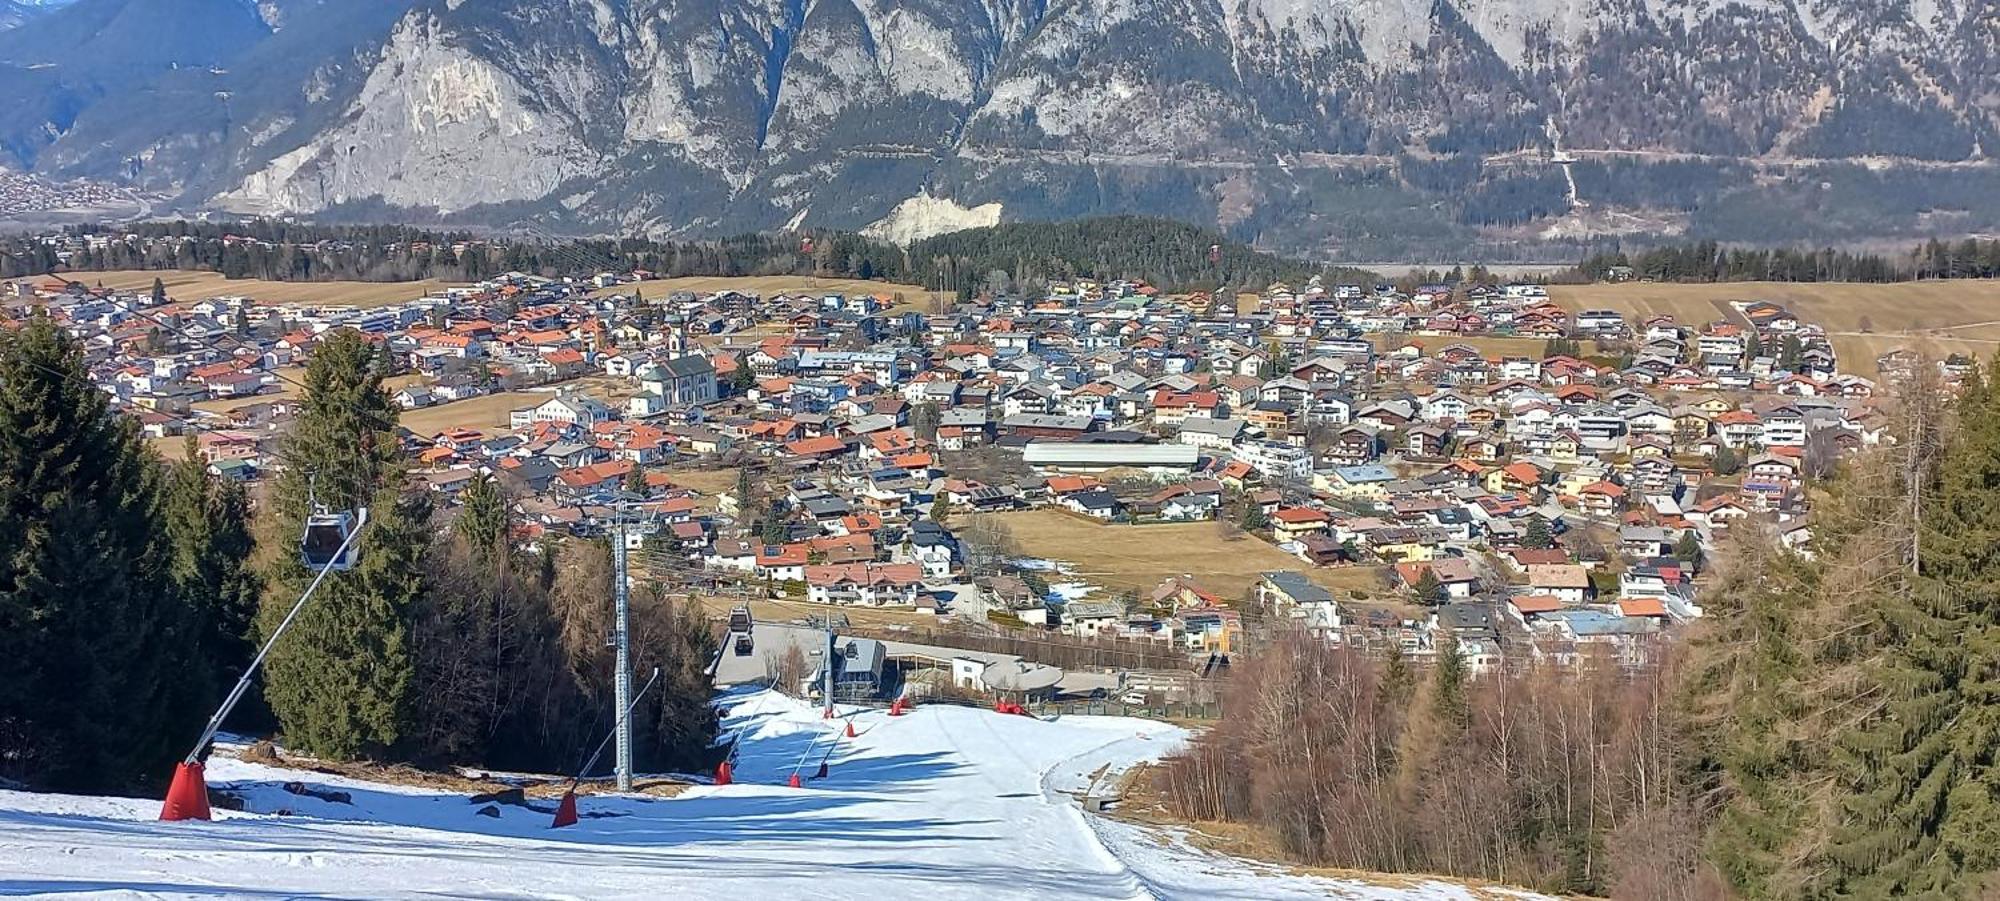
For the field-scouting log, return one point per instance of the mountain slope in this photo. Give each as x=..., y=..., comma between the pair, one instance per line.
x=1324, y=125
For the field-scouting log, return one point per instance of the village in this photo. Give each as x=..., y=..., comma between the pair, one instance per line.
x=1458, y=466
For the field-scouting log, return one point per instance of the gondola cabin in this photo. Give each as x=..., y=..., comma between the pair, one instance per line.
x=326, y=544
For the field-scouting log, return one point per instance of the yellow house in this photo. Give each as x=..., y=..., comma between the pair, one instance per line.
x=1566, y=448
x=1573, y=481
x=1649, y=449
x=1714, y=405
x=1406, y=551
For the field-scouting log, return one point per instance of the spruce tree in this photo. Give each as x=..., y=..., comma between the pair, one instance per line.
x=207, y=524
x=1920, y=774
x=1537, y=535
x=95, y=643
x=482, y=520
x=1448, y=696
x=1429, y=589
x=339, y=681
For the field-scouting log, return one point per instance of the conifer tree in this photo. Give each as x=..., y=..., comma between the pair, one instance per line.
x=775, y=529
x=207, y=525
x=482, y=521
x=1448, y=693
x=1536, y=535
x=1920, y=774
x=94, y=692
x=339, y=681
x=1429, y=589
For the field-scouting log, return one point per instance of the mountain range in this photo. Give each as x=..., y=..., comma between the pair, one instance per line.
x=1357, y=128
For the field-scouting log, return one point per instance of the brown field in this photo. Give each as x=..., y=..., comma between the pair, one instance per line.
x=907, y=297
x=1219, y=558
x=718, y=607
x=710, y=482
x=289, y=380
x=197, y=286
x=1489, y=346
x=170, y=448
x=1863, y=321
x=490, y=411
x=487, y=412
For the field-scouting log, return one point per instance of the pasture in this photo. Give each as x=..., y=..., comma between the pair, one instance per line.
x=1863, y=321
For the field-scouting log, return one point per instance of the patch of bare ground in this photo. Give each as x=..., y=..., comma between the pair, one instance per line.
x=1142, y=801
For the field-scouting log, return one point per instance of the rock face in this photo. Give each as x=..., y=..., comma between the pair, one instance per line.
x=1309, y=124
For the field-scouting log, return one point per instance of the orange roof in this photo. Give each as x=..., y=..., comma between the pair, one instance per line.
x=825, y=444
x=1068, y=484
x=861, y=522
x=1641, y=607
x=1535, y=603
x=1299, y=515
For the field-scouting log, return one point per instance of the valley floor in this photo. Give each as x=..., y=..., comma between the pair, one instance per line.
x=944, y=803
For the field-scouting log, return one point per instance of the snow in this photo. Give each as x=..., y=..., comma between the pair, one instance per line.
x=946, y=802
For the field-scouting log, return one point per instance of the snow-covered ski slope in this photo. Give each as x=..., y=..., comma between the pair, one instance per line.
x=945, y=802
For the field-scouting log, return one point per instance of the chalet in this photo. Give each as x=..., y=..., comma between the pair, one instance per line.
x=863, y=584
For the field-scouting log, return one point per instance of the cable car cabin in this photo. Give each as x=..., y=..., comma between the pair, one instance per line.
x=739, y=619
x=743, y=645
x=325, y=545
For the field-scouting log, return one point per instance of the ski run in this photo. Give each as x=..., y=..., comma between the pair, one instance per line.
x=944, y=802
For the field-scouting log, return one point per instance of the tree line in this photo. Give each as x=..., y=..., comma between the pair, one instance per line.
x=133, y=592
x=1165, y=253
x=1829, y=729
x=1707, y=261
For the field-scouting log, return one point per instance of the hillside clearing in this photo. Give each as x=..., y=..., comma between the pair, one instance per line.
x=190, y=287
